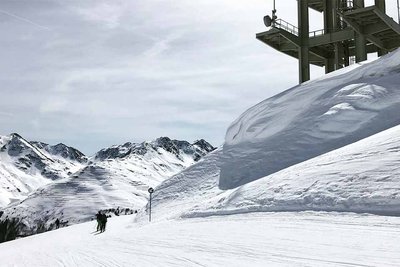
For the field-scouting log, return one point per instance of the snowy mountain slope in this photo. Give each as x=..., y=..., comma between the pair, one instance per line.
x=26, y=166
x=256, y=239
x=66, y=152
x=16, y=184
x=311, y=119
x=184, y=191
x=116, y=177
x=360, y=177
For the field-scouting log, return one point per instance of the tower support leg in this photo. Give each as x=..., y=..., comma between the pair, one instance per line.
x=381, y=4
x=360, y=40
x=329, y=26
x=303, y=24
x=361, y=49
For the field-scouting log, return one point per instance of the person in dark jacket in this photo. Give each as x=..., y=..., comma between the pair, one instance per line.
x=98, y=218
x=103, y=223
x=57, y=223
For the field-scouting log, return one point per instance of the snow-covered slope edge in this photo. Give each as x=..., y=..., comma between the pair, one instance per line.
x=311, y=119
x=360, y=177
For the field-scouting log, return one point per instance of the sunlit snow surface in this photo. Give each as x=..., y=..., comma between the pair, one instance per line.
x=361, y=177
x=311, y=119
x=258, y=239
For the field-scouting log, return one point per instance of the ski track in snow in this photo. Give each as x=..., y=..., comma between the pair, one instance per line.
x=254, y=239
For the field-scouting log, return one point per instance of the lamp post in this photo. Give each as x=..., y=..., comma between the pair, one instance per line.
x=150, y=190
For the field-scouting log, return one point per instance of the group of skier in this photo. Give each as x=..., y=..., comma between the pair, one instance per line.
x=101, y=222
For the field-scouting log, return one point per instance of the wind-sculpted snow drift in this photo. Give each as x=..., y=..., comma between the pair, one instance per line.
x=311, y=119
x=360, y=177
x=289, y=152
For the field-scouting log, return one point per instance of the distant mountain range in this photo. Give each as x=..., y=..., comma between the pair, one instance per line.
x=41, y=182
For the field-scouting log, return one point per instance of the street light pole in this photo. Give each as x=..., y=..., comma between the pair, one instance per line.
x=151, y=190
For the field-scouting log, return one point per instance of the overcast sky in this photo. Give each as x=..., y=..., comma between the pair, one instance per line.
x=92, y=74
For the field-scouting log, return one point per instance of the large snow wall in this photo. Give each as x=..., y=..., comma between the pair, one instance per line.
x=311, y=119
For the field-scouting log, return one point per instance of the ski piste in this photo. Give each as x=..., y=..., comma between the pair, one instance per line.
x=259, y=239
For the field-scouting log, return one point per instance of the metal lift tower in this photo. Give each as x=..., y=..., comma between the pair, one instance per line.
x=351, y=30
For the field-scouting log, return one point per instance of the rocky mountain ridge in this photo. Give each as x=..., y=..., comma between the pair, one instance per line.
x=26, y=166
x=198, y=148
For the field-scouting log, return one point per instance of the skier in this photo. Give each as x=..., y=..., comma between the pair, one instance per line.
x=103, y=223
x=99, y=221
x=57, y=222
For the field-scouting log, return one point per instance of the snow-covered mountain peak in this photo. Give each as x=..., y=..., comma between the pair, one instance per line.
x=197, y=149
x=204, y=145
x=15, y=145
x=62, y=150
x=26, y=166
x=172, y=146
x=175, y=147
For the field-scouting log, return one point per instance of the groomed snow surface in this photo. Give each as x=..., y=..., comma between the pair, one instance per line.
x=256, y=239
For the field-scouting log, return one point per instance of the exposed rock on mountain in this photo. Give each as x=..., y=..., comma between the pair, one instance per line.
x=26, y=166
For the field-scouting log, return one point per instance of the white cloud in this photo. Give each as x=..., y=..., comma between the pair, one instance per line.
x=160, y=46
x=107, y=13
x=6, y=114
x=53, y=104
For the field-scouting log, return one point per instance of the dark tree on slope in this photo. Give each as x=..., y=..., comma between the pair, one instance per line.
x=41, y=227
x=9, y=229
